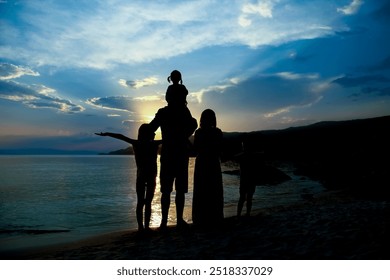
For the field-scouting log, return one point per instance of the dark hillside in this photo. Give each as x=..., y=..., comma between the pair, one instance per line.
x=342, y=154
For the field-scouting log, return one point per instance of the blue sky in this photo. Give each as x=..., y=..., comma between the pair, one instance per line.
x=72, y=68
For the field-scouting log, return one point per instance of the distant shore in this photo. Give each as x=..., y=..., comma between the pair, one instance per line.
x=333, y=225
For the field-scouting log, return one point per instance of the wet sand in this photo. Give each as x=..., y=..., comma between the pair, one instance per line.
x=332, y=225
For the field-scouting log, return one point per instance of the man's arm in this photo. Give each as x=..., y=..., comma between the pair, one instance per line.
x=192, y=126
x=117, y=136
x=156, y=122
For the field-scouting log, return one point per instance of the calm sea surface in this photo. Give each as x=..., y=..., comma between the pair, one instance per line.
x=54, y=199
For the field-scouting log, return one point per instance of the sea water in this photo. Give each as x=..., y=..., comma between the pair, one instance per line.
x=56, y=199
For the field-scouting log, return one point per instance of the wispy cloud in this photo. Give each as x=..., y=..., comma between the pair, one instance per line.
x=131, y=123
x=352, y=8
x=36, y=97
x=9, y=71
x=350, y=81
x=268, y=98
x=288, y=109
x=216, y=89
x=148, y=98
x=127, y=104
x=116, y=103
x=250, y=10
x=136, y=84
x=296, y=76
x=374, y=85
x=278, y=112
x=103, y=34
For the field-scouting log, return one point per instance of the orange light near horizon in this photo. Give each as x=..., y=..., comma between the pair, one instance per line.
x=146, y=108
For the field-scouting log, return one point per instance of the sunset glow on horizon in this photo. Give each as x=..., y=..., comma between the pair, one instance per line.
x=69, y=69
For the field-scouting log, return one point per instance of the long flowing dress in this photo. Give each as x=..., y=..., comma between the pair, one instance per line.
x=207, y=205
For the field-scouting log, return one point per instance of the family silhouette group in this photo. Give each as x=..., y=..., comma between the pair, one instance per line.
x=177, y=125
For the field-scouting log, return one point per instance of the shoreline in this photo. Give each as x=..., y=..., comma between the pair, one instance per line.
x=266, y=196
x=333, y=225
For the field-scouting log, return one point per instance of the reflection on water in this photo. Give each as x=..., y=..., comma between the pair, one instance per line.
x=266, y=196
x=231, y=184
x=86, y=195
x=156, y=205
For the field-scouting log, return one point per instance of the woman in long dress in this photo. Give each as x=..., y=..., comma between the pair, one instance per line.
x=207, y=205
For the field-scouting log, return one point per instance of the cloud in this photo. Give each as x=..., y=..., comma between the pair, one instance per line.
x=117, y=103
x=139, y=83
x=132, y=105
x=352, y=8
x=278, y=112
x=374, y=85
x=296, y=76
x=265, y=100
x=261, y=8
x=197, y=97
x=36, y=96
x=349, y=81
x=288, y=109
x=9, y=71
x=148, y=98
x=276, y=93
x=102, y=35
x=131, y=123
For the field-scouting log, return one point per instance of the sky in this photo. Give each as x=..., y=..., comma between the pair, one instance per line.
x=69, y=69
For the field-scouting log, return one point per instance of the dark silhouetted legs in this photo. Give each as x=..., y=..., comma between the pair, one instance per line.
x=248, y=197
x=145, y=193
x=165, y=203
x=179, y=200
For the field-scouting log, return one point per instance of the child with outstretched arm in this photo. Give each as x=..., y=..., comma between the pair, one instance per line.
x=145, y=151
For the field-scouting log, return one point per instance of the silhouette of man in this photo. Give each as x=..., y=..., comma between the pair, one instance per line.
x=177, y=125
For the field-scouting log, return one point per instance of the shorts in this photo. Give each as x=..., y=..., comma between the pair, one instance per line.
x=247, y=186
x=174, y=170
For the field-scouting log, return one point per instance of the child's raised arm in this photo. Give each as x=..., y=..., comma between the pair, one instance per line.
x=117, y=136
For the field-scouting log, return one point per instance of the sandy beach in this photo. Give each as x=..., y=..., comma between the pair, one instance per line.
x=333, y=225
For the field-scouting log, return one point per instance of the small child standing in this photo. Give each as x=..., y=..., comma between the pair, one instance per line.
x=250, y=165
x=145, y=151
x=176, y=94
